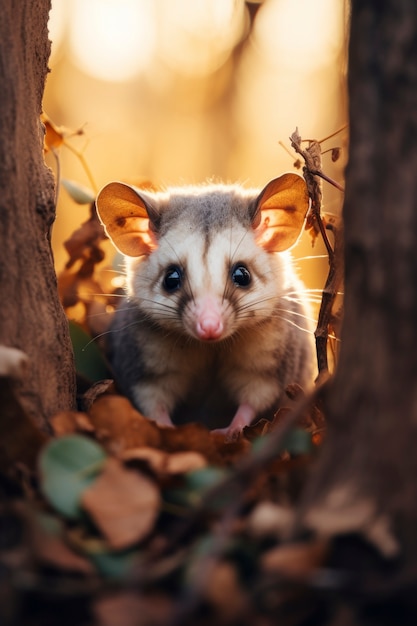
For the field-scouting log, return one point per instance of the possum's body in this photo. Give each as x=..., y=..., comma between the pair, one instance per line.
x=215, y=324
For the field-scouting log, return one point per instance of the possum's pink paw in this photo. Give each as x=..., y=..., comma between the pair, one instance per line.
x=162, y=418
x=243, y=417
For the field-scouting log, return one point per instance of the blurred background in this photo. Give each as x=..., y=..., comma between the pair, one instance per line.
x=182, y=91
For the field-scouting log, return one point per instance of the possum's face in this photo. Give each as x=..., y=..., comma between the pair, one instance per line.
x=210, y=261
x=208, y=286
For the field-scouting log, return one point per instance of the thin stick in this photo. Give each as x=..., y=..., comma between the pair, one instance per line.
x=312, y=170
x=84, y=163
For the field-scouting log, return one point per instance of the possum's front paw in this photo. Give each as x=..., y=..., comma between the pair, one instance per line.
x=243, y=417
x=161, y=417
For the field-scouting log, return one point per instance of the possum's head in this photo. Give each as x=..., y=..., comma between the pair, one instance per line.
x=206, y=261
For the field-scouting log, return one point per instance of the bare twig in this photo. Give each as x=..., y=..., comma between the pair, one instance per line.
x=312, y=170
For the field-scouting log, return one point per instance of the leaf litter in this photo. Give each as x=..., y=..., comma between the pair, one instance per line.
x=133, y=516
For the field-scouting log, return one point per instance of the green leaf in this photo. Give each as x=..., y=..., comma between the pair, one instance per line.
x=114, y=565
x=196, y=484
x=89, y=362
x=79, y=193
x=205, y=478
x=298, y=441
x=68, y=466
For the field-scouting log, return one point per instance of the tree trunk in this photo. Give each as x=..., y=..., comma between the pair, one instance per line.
x=31, y=316
x=366, y=480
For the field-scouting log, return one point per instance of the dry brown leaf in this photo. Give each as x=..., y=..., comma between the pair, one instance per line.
x=295, y=560
x=52, y=550
x=54, y=135
x=258, y=429
x=182, y=462
x=270, y=519
x=130, y=609
x=223, y=590
x=119, y=426
x=213, y=446
x=100, y=388
x=84, y=242
x=164, y=463
x=155, y=459
x=68, y=422
x=124, y=504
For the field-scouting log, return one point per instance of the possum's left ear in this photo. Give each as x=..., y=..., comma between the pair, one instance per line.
x=279, y=212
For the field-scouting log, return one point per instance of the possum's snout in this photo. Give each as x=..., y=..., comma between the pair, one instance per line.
x=206, y=319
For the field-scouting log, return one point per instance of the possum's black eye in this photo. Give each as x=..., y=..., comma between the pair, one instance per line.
x=172, y=279
x=240, y=275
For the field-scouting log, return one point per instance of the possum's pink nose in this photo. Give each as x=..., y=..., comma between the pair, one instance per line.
x=210, y=326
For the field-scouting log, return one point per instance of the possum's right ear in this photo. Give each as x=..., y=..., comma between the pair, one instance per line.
x=129, y=219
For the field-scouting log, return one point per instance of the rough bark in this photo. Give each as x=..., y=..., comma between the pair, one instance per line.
x=366, y=480
x=31, y=316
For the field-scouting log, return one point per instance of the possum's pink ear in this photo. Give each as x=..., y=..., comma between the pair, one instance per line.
x=279, y=213
x=128, y=218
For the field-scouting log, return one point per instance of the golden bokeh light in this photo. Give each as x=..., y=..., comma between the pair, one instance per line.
x=196, y=36
x=112, y=40
x=300, y=34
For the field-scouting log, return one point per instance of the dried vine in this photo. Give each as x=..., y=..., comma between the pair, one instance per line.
x=313, y=174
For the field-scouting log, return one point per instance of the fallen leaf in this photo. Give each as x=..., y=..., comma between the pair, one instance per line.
x=84, y=244
x=119, y=426
x=97, y=389
x=295, y=560
x=54, y=135
x=213, y=446
x=163, y=463
x=68, y=422
x=183, y=462
x=124, y=504
x=131, y=609
x=67, y=466
x=270, y=520
x=112, y=564
x=223, y=590
x=154, y=458
x=49, y=547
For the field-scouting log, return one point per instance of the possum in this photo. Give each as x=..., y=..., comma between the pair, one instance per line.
x=215, y=324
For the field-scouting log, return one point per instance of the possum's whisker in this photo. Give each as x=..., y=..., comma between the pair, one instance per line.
x=313, y=299
x=160, y=305
x=108, y=295
x=276, y=315
x=310, y=257
x=310, y=290
x=297, y=314
x=292, y=323
x=107, y=332
x=119, y=272
x=253, y=305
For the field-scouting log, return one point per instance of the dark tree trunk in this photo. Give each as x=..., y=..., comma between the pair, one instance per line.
x=31, y=316
x=366, y=480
